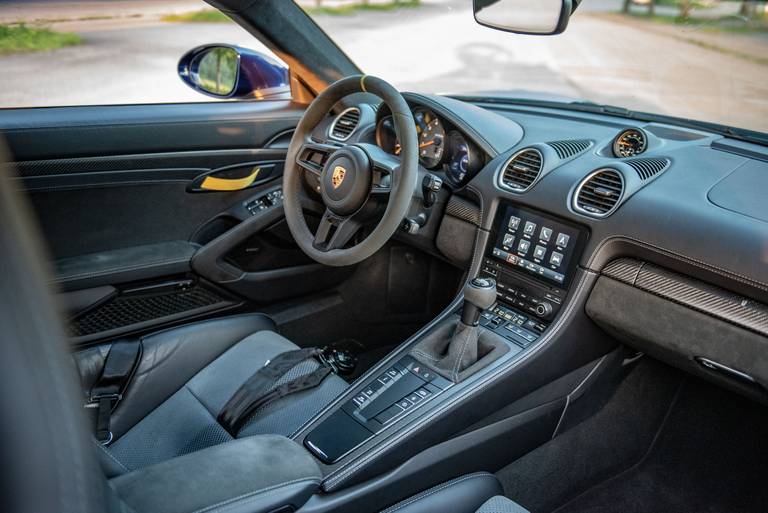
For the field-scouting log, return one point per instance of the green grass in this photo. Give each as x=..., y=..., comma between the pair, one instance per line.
x=201, y=16
x=21, y=38
x=723, y=24
x=214, y=16
x=346, y=10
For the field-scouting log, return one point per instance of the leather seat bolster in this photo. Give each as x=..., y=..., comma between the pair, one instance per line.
x=465, y=494
x=169, y=359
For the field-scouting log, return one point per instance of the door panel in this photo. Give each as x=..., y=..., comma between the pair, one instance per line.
x=120, y=195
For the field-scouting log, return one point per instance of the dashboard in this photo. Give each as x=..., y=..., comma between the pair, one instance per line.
x=442, y=147
x=693, y=199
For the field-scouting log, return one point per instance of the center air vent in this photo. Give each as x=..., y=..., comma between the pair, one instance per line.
x=570, y=148
x=522, y=170
x=648, y=167
x=345, y=123
x=599, y=194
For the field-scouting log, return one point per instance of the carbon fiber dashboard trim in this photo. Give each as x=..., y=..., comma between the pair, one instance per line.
x=464, y=210
x=692, y=293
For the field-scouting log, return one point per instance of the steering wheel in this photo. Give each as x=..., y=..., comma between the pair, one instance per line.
x=355, y=179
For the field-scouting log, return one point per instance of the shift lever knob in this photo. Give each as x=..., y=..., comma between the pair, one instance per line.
x=479, y=295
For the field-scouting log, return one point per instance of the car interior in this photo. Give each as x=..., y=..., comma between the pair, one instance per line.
x=357, y=299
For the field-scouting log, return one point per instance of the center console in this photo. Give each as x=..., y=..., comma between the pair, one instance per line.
x=530, y=261
x=533, y=258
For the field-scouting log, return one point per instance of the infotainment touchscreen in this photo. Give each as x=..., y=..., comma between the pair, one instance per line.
x=537, y=244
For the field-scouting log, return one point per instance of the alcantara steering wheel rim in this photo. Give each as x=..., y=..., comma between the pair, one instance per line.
x=349, y=176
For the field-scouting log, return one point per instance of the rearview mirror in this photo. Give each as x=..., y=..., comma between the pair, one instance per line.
x=226, y=71
x=538, y=17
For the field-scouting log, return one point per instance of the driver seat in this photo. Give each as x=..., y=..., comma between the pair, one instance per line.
x=184, y=378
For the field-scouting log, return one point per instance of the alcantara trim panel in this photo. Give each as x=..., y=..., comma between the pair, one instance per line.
x=692, y=293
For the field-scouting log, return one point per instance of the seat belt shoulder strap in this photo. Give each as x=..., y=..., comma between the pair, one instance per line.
x=260, y=389
x=106, y=393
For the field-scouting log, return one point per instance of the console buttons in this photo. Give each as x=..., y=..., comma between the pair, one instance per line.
x=546, y=234
x=423, y=393
x=393, y=372
x=556, y=258
x=372, y=389
x=360, y=399
x=414, y=398
x=385, y=379
x=514, y=222
x=539, y=252
x=523, y=246
x=509, y=239
x=530, y=228
x=562, y=240
x=423, y=372
x=404, y=404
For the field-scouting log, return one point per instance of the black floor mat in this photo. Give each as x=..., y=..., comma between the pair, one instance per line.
x=698, y=448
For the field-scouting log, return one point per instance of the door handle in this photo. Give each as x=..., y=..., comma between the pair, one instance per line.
x=212, y=183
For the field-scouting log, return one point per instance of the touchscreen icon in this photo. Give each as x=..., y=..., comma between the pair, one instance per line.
x=509, y=239
x=523, y=246
x=556, y=258
x=514, y=222
x=529, y=228
x=546, y=234
x=562, y=240
x=539, y=252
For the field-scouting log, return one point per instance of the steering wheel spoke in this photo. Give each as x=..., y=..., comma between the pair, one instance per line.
x=312, y=156
x=334, y=231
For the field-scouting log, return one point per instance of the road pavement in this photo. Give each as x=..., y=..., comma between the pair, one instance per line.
x=434, y=48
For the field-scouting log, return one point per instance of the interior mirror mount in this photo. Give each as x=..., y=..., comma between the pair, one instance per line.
x=232, y=72
x=535, y=17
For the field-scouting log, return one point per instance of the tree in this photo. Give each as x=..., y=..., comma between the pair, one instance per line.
x=625, y=7
x=686, y=7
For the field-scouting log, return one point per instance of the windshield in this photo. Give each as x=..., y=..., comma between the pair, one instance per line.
x=705, y=60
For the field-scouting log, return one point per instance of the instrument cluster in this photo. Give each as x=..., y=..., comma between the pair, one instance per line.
x=441, y=146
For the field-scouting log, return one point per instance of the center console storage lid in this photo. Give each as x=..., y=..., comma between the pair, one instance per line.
x=255, y=474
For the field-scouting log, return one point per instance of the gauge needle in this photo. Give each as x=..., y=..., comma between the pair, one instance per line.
x=424, y=145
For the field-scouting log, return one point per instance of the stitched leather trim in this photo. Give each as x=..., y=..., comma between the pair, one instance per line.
x=435, y=489
x=247, y=497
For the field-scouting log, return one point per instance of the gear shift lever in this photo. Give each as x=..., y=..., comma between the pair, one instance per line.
x=452, y=352
x=479, y=295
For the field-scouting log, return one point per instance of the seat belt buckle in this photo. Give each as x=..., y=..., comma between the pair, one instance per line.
x=94, y=400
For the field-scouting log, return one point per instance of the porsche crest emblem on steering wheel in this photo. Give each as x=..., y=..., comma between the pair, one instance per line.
x=338, y=176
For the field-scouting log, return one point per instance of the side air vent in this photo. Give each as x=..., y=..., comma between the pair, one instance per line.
x=648, y=167
x=599, y=193
x=570, y=148
x=522, y=170
x=345, y=123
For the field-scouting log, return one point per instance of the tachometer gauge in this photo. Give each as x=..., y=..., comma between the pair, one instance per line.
x=431, y=138
x=629, y=143
x=386, y=138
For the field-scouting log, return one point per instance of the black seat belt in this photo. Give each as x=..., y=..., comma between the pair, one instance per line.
x=260, y=388
x=106, y=393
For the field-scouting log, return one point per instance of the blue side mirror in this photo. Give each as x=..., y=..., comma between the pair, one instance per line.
x=227, y=71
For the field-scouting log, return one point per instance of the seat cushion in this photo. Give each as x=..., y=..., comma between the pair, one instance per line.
x=186, y=421
x=169, y=359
